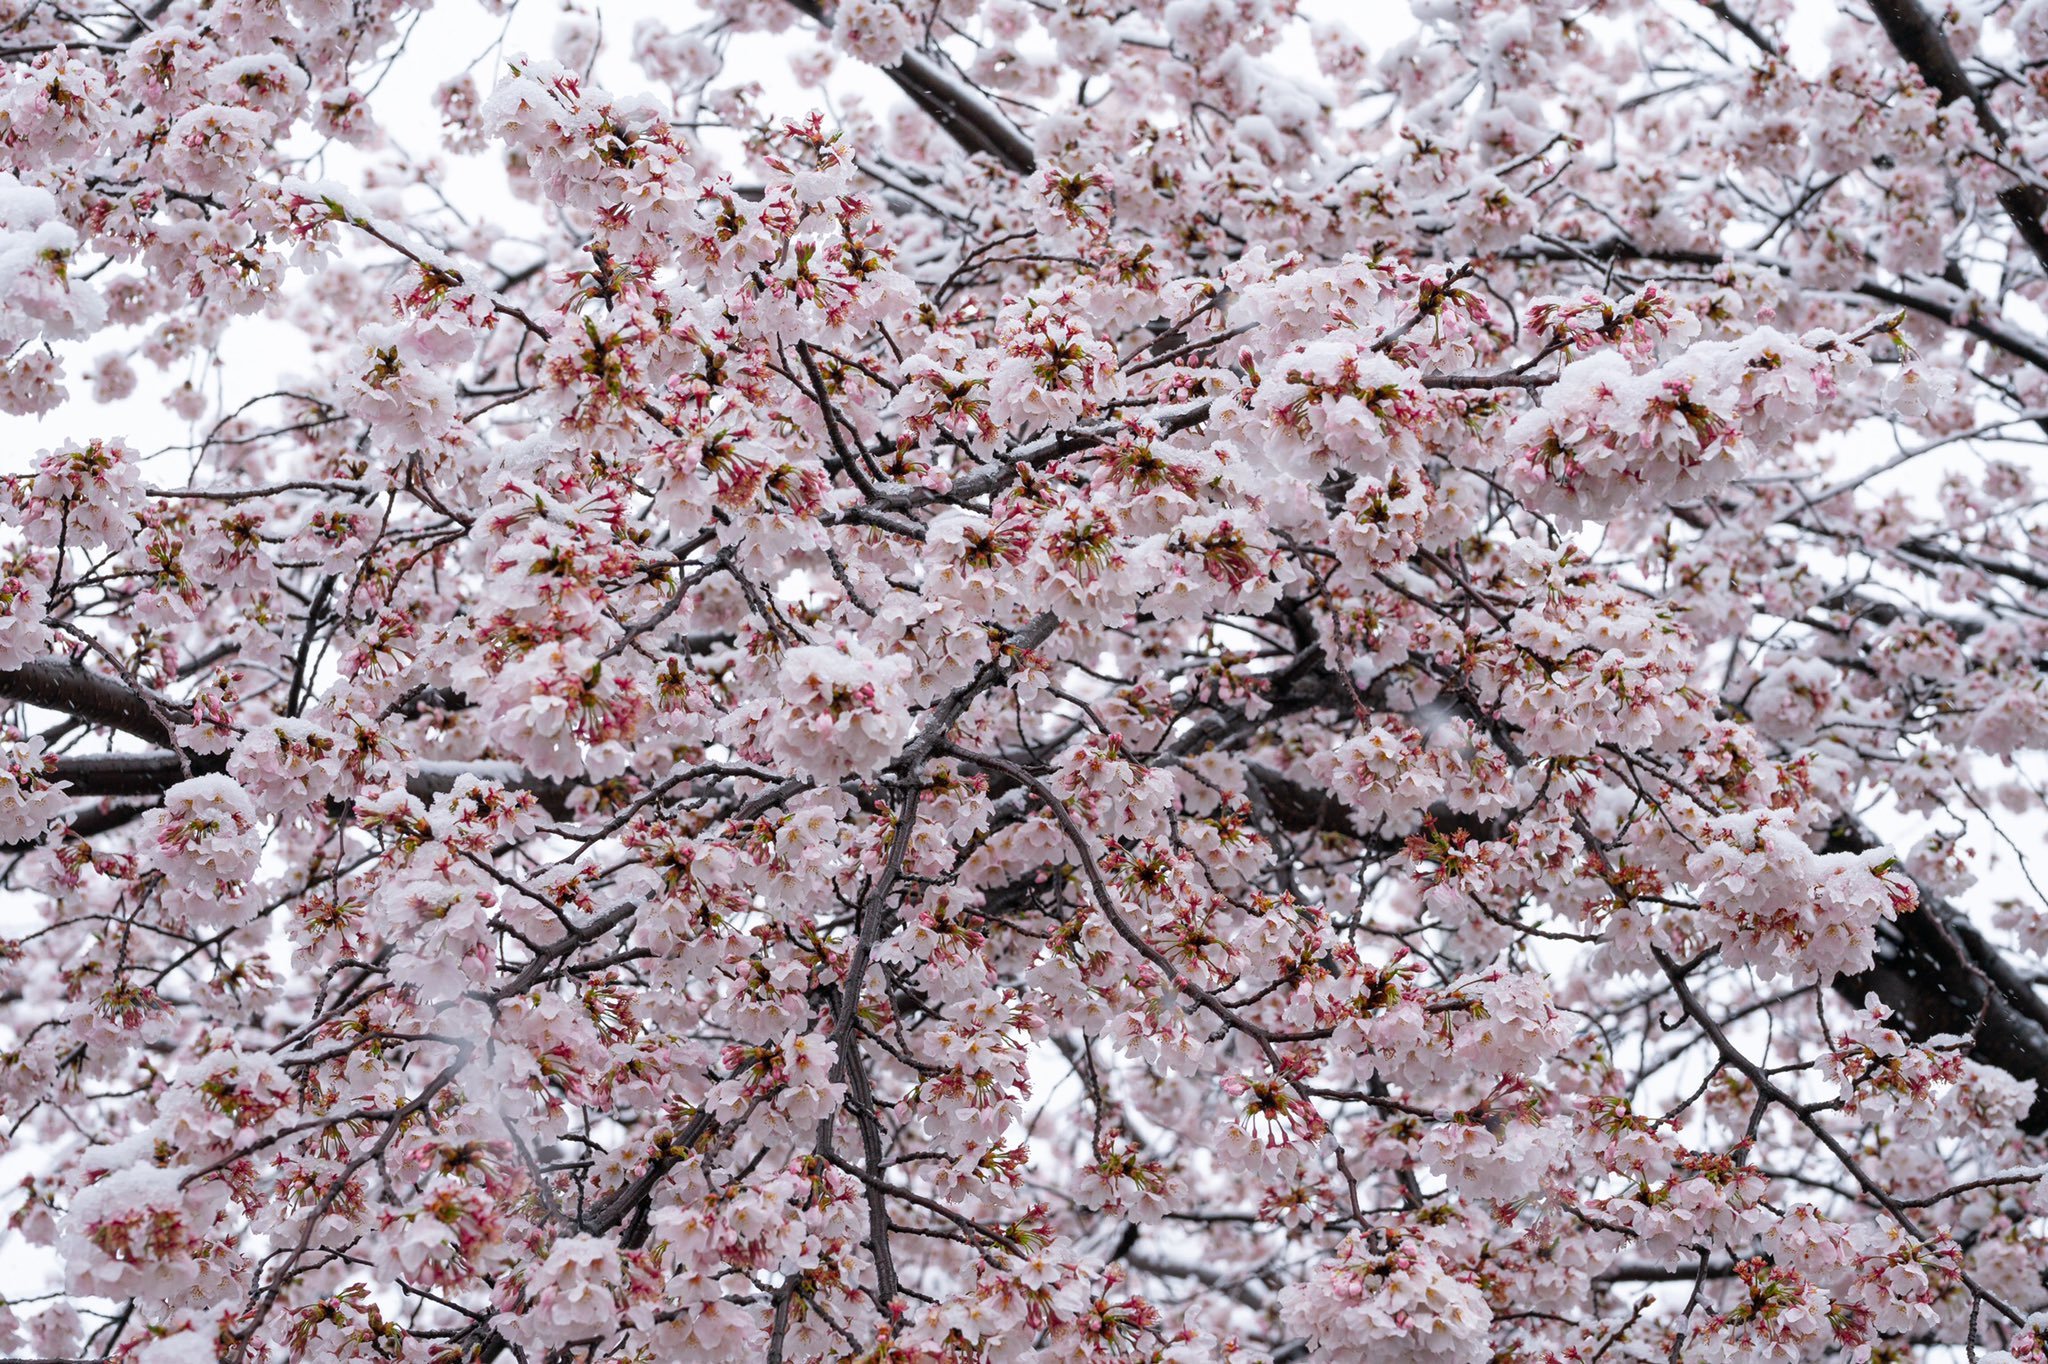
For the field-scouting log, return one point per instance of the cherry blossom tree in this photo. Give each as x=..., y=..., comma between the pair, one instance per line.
x=1147, y=681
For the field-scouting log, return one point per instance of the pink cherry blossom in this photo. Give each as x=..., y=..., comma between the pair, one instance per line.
x=978, y=682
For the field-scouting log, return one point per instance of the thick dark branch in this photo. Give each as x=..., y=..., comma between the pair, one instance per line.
x=1297, y=808
x=1919, y=39
x=1924, y=548
x=129, y=774
x=1945, y=311
x=633, y=1200
x=850, y=1067
x=964, y=112
x=1763, y=44
x=103, y=775
x=151, y=774
x=2007, y=340
x=88, y=696
x=1936, y=972
x=954, y=104
x=1938, y=976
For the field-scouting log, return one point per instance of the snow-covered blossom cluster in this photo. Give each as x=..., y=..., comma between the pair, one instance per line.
x=1151, y=682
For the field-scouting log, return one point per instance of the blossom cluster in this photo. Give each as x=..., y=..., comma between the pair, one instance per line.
x=1215, y=690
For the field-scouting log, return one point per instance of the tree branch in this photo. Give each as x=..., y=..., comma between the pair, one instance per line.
x=90, y=697
x=1919, y=40
x=954, y=104
x=1941, y=976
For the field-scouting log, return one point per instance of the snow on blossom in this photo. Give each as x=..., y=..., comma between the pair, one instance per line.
x=206, y=840
x=142, y=1231
x=840, y=710
x=38, y=295
x=1389, y=1295
x=207, y=147
x=55, y=109
x=1790, y=910
x=286, y=759
x=1055, y=688
x=1335, y=403
x=1050, y=369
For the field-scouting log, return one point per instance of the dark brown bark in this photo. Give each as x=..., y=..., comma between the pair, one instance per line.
x=1938, y=975
x=85, y=695
x=955, y=104
x=1919, y=40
